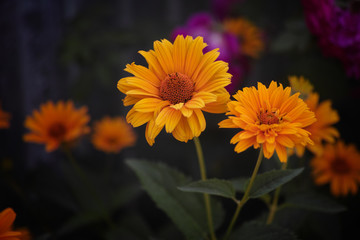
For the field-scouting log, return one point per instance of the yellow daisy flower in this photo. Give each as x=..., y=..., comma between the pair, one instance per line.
x=55, y=124
x=111, y=135
x=7, y=218
x=302, y=85
x=339, y=165
x=322, y=129
x=269, y=116
x=179, y=83
x=249, y=35
x=4, y=119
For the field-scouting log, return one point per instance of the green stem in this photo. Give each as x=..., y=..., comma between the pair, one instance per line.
x=245, y=198
x=201, y=160
x=86, y=181
x=275, y=201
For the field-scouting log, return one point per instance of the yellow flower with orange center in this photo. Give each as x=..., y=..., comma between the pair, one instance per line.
x=179, y=83
x=322, y=129
x=7, y=218
x=111, y=135
x=4, y=119
x=269, y=116
x=339, y=165
x=249, y=35
x=55, y=124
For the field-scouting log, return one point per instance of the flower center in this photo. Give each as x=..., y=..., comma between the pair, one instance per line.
x=177, y=88
x=340, y=166
x=57, y=130
x=268, y=117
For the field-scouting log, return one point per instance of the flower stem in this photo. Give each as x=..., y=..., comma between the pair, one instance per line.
x=201, y=160
x=245, y=198
x=275, y=201
x=86, y=181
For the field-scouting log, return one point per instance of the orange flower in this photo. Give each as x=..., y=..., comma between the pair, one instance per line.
x=4, y=119
x=7, y=218
x=322, y=129
x=339, y=165
x=111, y=135
x=55, y=124
x=269, y=116
x=173, y=91
x=249, y=35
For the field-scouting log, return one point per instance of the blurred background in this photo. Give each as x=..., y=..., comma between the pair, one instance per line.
x=77, y=50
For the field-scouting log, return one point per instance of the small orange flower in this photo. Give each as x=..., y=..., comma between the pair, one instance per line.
x=249, y=35
x=269, y=116
x=111, y=135
x=57, y=123
x=4, y=119
x=339, y=165
x=7, y=218
x=322, y=129
x=173, y=91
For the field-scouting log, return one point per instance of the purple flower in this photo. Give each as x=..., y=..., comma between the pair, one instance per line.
x=337, y=31
x=204, y=25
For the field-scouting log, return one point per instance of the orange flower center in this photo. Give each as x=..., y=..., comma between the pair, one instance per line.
x=57, y=130
x=340, y=166
x=177, y=88
x=268, y=117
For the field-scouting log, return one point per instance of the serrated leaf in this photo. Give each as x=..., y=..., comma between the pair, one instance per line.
x=259, y=231
x=314, y=202
x=269, y=181
x=186, y=210
x=216, y=187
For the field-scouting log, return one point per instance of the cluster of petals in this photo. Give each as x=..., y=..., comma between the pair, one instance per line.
x=339, y=166
x=337, y=30
x=270, y=117
x=179, y=83
x=7, y=218
x=111, y=135
x=4, y=119
x=56, y=123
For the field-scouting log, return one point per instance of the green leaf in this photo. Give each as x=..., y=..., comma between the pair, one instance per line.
x=186, y=210
x=259, y=231
x=217, y=187
x=269, y=181
x=240, y=184
x=314, y=202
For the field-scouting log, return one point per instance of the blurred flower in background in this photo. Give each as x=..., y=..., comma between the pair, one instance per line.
x=337, y=28
x=237, y=39
x=7, y=218
x=339, y=165
x=179, y=83
x=4, y=119
x=322, y=130
x=56, y=124
x=111, y=135
x=271, y=117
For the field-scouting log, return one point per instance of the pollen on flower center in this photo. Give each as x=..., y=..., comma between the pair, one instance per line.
x=57, y=130
x=340, y=166
x=177, y=88
x=268, y=117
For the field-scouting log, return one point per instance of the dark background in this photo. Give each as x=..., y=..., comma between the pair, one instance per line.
x=77, y=49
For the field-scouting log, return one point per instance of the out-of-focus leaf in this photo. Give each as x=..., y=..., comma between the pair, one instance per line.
x=186, y=210
x=79, y=220
x=240, y=184
x=217, y=187
x=259, y=231
x=295, y=36
x=269, y=181
x=314, y=202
